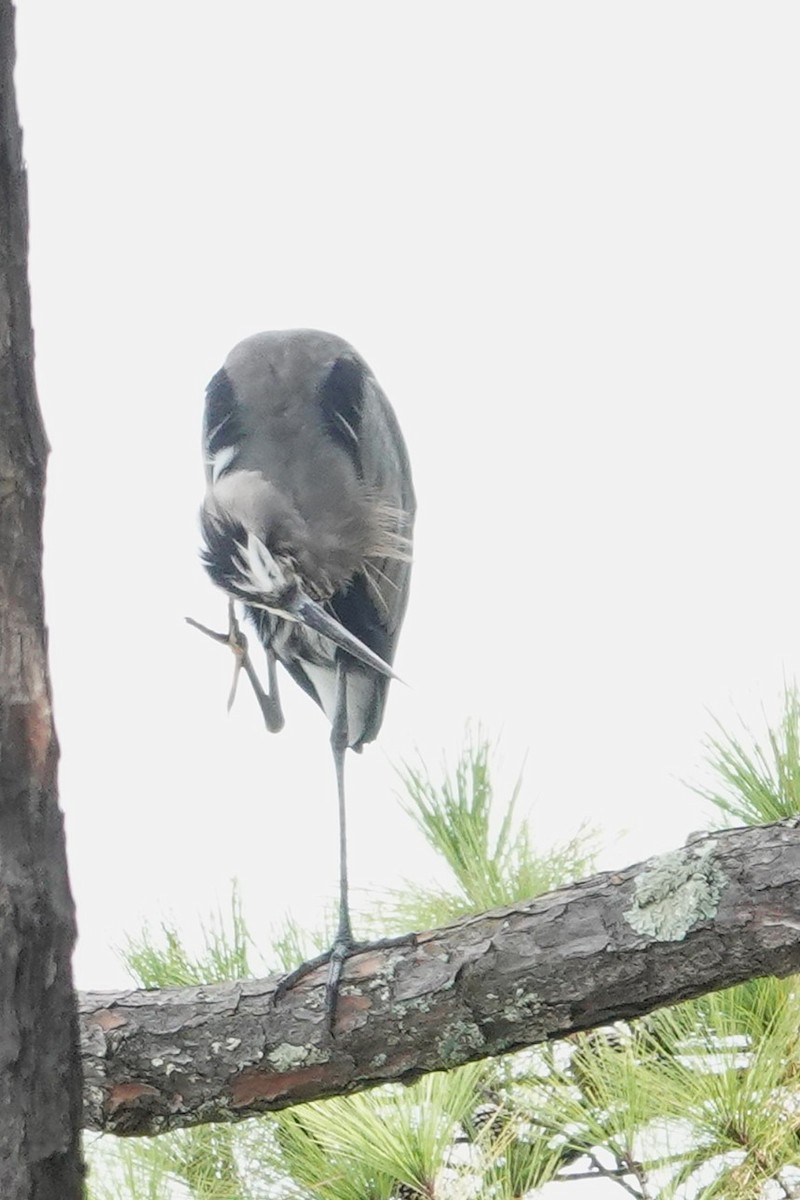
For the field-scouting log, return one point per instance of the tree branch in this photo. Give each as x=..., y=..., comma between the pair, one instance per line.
x=720, y=910
x=616, y=1174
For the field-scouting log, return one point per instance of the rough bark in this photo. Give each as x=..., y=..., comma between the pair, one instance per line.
x=722, y=909
x=40, y=1083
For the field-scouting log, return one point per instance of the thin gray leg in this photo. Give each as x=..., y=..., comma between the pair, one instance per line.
x=343, y=942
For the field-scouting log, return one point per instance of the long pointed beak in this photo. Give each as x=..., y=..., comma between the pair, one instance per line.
x=307, y=612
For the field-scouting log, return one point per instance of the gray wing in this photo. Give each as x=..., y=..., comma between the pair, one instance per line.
x=373, y=605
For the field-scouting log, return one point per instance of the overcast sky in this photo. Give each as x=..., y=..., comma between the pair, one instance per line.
x=566, y=239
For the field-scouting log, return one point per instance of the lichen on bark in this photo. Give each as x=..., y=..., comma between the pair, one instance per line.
x=679, y=890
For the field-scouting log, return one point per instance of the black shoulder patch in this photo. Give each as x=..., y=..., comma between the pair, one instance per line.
x=357, y=611
x=221, y=425
x=341, y=401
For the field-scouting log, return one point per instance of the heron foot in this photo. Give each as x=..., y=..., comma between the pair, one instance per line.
x=342, y=949
x=269, y=703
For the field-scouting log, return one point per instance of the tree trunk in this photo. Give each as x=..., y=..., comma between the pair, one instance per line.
x=723, y=909
x=40, y=1082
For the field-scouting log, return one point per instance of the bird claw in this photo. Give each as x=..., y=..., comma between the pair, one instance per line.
x=236, y=640
x=237, y=670
x=238, y=644
x=335, y=957
x=218, y=637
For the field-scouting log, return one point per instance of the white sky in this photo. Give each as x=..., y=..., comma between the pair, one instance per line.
x=566, y=238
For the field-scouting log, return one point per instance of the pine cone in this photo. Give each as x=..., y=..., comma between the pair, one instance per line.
x=404, y=1191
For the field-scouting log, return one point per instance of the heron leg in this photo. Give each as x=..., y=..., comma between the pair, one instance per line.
x=269, y=702
x=343, y=942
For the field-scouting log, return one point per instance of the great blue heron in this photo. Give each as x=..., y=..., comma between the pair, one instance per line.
x=307, y=520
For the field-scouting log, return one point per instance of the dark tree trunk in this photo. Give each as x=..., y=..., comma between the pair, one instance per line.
x=40, y=1078
x=723, y=909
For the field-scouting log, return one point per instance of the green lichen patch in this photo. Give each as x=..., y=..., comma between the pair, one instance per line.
x=680, y=889
x=286, y=1056
x=458, y=1039
x=523, y=1006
